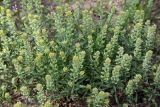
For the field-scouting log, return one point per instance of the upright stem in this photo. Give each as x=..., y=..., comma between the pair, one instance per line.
x=115, y=95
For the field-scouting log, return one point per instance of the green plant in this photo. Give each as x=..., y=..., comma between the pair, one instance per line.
x=40, y=94
x=105, y=75
x=98, y=98
x=133, y=85
x=18, y=104
x=147, y=64
x=47, y=104
x=51, y=54
x=156, y=78
x=138, y=49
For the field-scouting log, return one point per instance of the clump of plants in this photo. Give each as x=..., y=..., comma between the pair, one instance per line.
x=95, y=54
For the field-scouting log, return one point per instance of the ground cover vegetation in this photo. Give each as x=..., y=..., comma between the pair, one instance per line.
x=57, y=56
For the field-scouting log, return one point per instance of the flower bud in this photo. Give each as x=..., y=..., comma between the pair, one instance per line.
x=58, y=8
x=116, y=74
x=48, y=81
x=9, y=13
x=62, y=54
x=70, y=83
x=48, y=104
x=65, y=69
x=68, y=13
x=39, y=87
x=20, y=58
x=18, y=104
x=94, y=90
x=3, y=88
x=88, y=86
x=24, y=90
x=7, y=96
x=75, y=59
x=14, y=81
x=46, y=51
x=52, y=55
x=27, y=69
x=78, y=46
x=102, y=94
x=81, y=73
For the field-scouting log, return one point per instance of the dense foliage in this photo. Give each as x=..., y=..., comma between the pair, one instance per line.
x=102, y=56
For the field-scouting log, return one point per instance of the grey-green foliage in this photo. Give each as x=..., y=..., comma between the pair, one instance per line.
x=146, y=66
x=64, y=52
x=98, y=98
x=136, y=31
x=151, y=35
x=96, y=58
x=148, y=9
x=121, y=19
x=133, y=85
x=24, y=90
x=116, y=73
x=40, y=94
x=49, y=82
x=131, y=6
x=126, y=62
x=157, y=77
x=120, y=55
x=139, y=16
x=138, y=49
x=111, y=47
x=106, y=73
